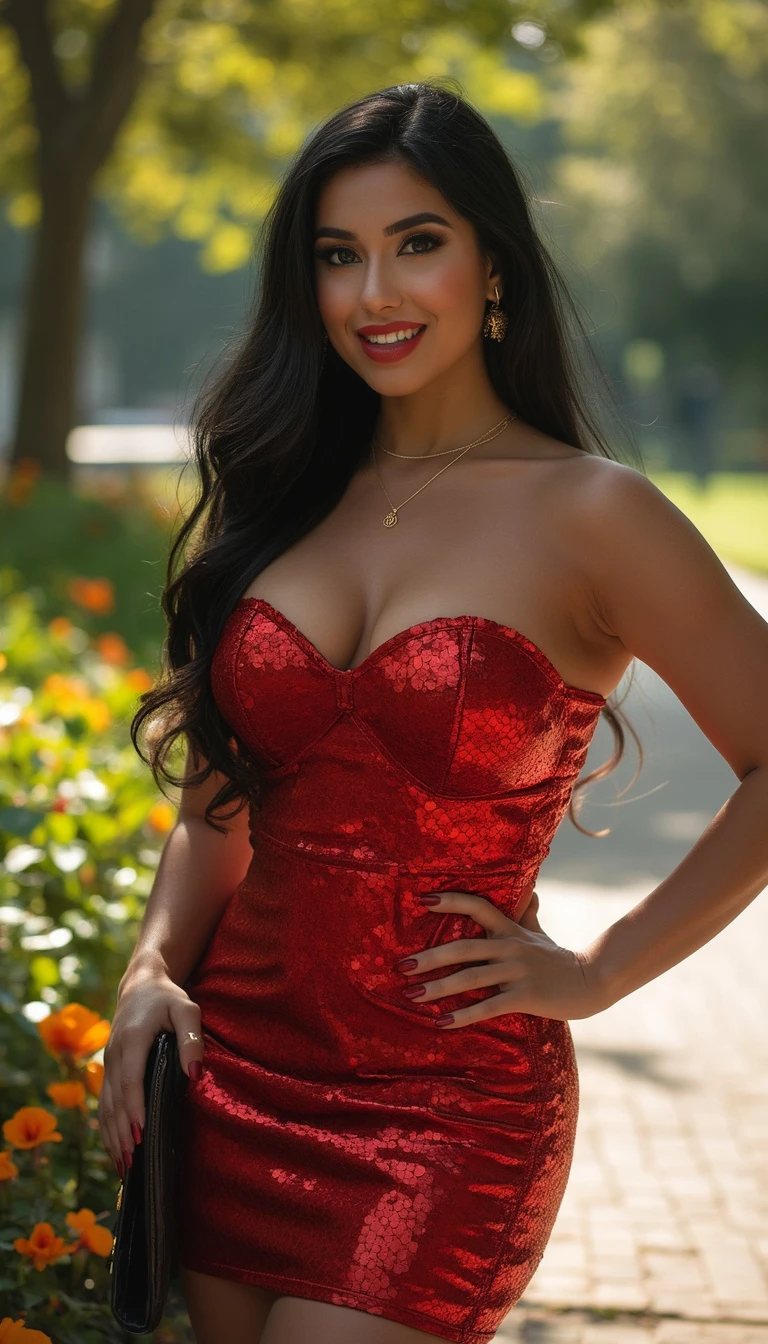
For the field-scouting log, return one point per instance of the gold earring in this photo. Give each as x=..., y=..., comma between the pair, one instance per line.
x=496, y=321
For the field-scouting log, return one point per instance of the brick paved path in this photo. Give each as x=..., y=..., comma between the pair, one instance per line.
x=666, y=1211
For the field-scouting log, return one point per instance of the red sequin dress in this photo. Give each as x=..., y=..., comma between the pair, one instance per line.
x=338, y=1145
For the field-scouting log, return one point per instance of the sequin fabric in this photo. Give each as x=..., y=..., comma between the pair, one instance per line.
x=338, y=1146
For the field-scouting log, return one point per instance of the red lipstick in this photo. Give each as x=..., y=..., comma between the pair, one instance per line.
x=390, y=352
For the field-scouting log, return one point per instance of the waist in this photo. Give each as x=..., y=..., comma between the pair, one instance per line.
x=366, y=857
x=411, y=834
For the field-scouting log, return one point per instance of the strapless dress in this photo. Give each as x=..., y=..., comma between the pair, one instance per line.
x=338, y=1146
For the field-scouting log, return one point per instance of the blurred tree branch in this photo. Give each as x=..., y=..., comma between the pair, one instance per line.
x=115, y=79
x=29, y=19
x=75, y=133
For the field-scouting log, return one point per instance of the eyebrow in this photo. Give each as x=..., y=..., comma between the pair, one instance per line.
x=424, y=217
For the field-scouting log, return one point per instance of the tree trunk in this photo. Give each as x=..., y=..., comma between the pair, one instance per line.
x=53, y=311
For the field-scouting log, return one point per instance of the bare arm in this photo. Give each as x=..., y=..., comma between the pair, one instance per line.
x=199, y=870
x=661, y=592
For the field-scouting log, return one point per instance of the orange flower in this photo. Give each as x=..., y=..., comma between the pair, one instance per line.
x=67, y=1095
x=113, y=649
x=71, y=697
x=93, y=1074
x=43, y=1247
x=65, y=688
x=30, y=1126
x=16, y=1332
x=74, y=1030
x=95, y=595
x=162, y=817
x=8, y=1169
x=96, y=714
x=138, y=680
x=97, y=1238
x=59, y=627
x=3, y=662
x=27, y=469
x=22, y=479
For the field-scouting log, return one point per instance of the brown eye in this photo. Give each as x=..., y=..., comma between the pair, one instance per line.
x=329, y=253
x=422, y=243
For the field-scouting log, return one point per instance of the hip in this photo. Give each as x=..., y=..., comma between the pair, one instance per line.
x=300, y=975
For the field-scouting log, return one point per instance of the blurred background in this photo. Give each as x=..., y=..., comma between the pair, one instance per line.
x=140, y=145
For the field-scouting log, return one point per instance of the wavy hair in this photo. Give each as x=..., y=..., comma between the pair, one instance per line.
x=279, y=431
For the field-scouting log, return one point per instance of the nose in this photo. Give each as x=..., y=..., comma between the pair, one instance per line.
x=379, y=293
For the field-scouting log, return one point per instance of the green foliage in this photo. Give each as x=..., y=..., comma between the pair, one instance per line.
x=81, y=831
x=665, y=121
x=52, y=534
x=227, y=90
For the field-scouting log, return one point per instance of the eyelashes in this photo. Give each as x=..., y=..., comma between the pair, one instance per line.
x=326, y=253
x=433, y=240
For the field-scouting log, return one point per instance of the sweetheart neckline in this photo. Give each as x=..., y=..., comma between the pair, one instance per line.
x=484, y=622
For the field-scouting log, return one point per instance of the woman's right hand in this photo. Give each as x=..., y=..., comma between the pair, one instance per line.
x=148, y=1002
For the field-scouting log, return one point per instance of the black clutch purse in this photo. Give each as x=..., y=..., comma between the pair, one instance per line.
x=144, y=1245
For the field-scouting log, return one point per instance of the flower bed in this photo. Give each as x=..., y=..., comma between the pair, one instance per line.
x=81, y=830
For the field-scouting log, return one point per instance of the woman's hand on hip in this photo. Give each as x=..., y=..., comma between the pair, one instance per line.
x=148, y=1002
x=531, y=972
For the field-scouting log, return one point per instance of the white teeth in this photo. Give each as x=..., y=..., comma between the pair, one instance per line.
x=392, y=336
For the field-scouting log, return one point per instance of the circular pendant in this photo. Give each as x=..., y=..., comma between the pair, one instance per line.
x=390, y=520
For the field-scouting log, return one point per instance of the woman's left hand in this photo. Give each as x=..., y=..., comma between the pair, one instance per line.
x=533, y=974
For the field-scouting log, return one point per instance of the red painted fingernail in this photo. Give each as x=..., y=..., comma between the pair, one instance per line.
x=136, y=1131
x=120, y=1168
x=444, y=1020
x=430, y=900
x=409, y=964
x=195, y=1070
x=128, y=1160
x=413, y=991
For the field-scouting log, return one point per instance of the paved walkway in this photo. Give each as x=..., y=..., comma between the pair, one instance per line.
x=662, y=1237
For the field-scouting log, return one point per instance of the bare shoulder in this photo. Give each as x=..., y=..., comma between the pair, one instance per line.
x=613, y=512
x=657, y=586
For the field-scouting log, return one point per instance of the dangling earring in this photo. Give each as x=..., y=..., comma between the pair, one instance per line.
x=496, y=321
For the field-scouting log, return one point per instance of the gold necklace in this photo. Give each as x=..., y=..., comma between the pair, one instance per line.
x=445, y=451
x=390, y=518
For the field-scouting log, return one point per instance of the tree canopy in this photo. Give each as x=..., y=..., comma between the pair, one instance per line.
x=664, y=119
x=225, y=90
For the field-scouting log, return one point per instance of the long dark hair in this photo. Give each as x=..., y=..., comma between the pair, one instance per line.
x=279, y=432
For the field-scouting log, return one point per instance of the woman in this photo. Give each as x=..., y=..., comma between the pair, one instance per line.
x=382, y=1093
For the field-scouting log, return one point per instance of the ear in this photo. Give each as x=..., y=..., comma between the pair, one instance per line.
x=493, y=278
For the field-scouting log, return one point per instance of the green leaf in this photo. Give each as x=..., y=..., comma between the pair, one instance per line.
x=134, y=815
x=62, y=827
x=44, y=971
x=19, y=821
x=100, y=828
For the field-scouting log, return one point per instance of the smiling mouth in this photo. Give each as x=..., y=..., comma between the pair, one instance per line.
x=393, y=337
